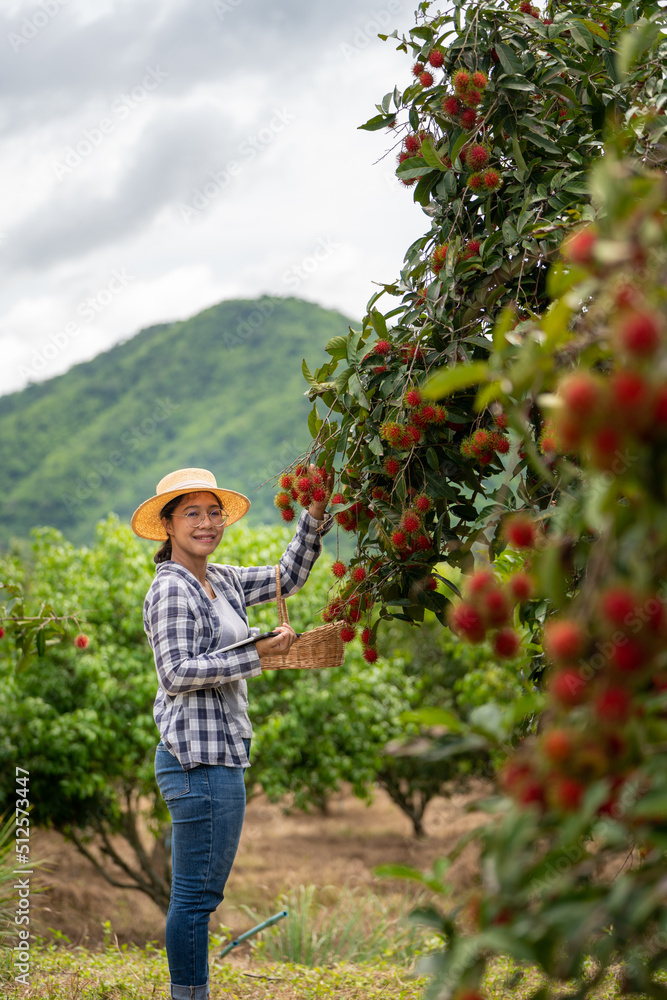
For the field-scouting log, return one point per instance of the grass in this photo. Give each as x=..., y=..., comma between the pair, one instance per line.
x=131, y=973
x=359, y=927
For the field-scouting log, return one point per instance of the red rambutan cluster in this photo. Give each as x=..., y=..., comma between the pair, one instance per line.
x=487, y=607
x=303, y=486
x=483, y=445
x=601, y=416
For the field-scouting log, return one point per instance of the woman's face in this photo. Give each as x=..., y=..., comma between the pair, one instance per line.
x=188, y=537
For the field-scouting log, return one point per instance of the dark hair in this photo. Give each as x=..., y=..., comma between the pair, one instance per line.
x=163, y=554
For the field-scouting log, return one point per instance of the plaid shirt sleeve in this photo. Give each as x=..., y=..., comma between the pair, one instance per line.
x=259, y=582
x=173, y=629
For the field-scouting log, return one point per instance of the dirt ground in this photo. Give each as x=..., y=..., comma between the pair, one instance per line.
x=278, y=852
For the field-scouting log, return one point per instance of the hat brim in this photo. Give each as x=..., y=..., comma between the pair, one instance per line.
x=146, y=521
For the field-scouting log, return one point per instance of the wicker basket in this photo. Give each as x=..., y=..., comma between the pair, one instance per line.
x=320, y=647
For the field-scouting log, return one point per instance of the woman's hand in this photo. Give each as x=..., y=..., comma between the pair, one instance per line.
x=277, y=645
x=317, y=510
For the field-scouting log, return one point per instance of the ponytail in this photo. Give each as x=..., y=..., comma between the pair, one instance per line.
x=163, y=554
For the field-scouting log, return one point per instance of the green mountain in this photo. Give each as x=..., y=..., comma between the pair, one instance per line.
x=222, y=391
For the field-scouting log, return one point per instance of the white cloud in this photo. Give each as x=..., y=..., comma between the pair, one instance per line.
x=279, y=92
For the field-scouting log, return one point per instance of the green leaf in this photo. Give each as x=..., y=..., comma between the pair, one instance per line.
x=448, y=380
x=633, y=43
x=379, y=324
x=378, y=122
x=430, y=155
x=40, y=642
x=509, y=61
x=581, y=34
x=355, y=389
x=540, y=140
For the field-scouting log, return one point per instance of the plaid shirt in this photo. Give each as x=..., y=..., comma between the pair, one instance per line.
x=183, y=629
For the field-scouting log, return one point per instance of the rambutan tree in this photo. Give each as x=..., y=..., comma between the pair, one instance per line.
x=502, y=112
x=515, y=397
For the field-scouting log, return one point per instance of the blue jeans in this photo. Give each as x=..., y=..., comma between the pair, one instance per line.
x=207, y=808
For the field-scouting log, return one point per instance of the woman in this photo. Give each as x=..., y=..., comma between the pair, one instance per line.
x=193, y=613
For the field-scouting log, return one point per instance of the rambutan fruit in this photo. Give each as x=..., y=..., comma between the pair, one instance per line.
x=399, y=539
x=629, y=655
x=347, y=633
x=461, y=80
x=354, y=614
x=639, y=334
x=303, y=484
x=629, y=390
x=506, y=643
x=471, y=97
x=410, y=522
x=557, y=745
x=412, y=144
x=319, y=494
x=436, y=58
x=391, y=466
x=501, y=444
x=494, y=606
x=568, y=793
x=337, y=498
x=403, y=156
x=365, y=635
x=521, y=531
x=283, y=501
x=287, y=514
x=422, y=503
x=618, y=604
x=579, y=248
x=476, y=182
x=521, y=586
x=412, y=397
x=370, y=654
x=568, y=687
x=525, y=7
x=423, y=543
x=382, y=347
x=81, y=641
x=338, y=568
x=477, y=157
x=471, y=249
x=491, y=180
x=605, y=446
x=440, y=415
x=613, y=705
x=438, y=258
x=563, y=640
x=358, y=574
x=479, y=582
x=426, y=79
x=451, y=106
x=468, y=119
x=286, y=481
x=391, y=431
x=380, y=369
x=466, y=621
x=414, y=435
x=480, y=441
x=581, y=393
x=418, y=69
x=407, y=181
x=479, y=80
x=431, y=583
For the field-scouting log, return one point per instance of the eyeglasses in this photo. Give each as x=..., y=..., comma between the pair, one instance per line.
x=194, y=518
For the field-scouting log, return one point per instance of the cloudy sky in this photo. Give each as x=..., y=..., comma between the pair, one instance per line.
x=162, y=156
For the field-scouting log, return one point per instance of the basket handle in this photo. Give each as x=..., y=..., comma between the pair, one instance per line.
x=283, y=617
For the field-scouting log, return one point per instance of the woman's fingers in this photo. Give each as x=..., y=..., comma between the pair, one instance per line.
x=277, y=644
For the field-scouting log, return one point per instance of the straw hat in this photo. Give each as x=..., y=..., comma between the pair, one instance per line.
x=146, y=519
